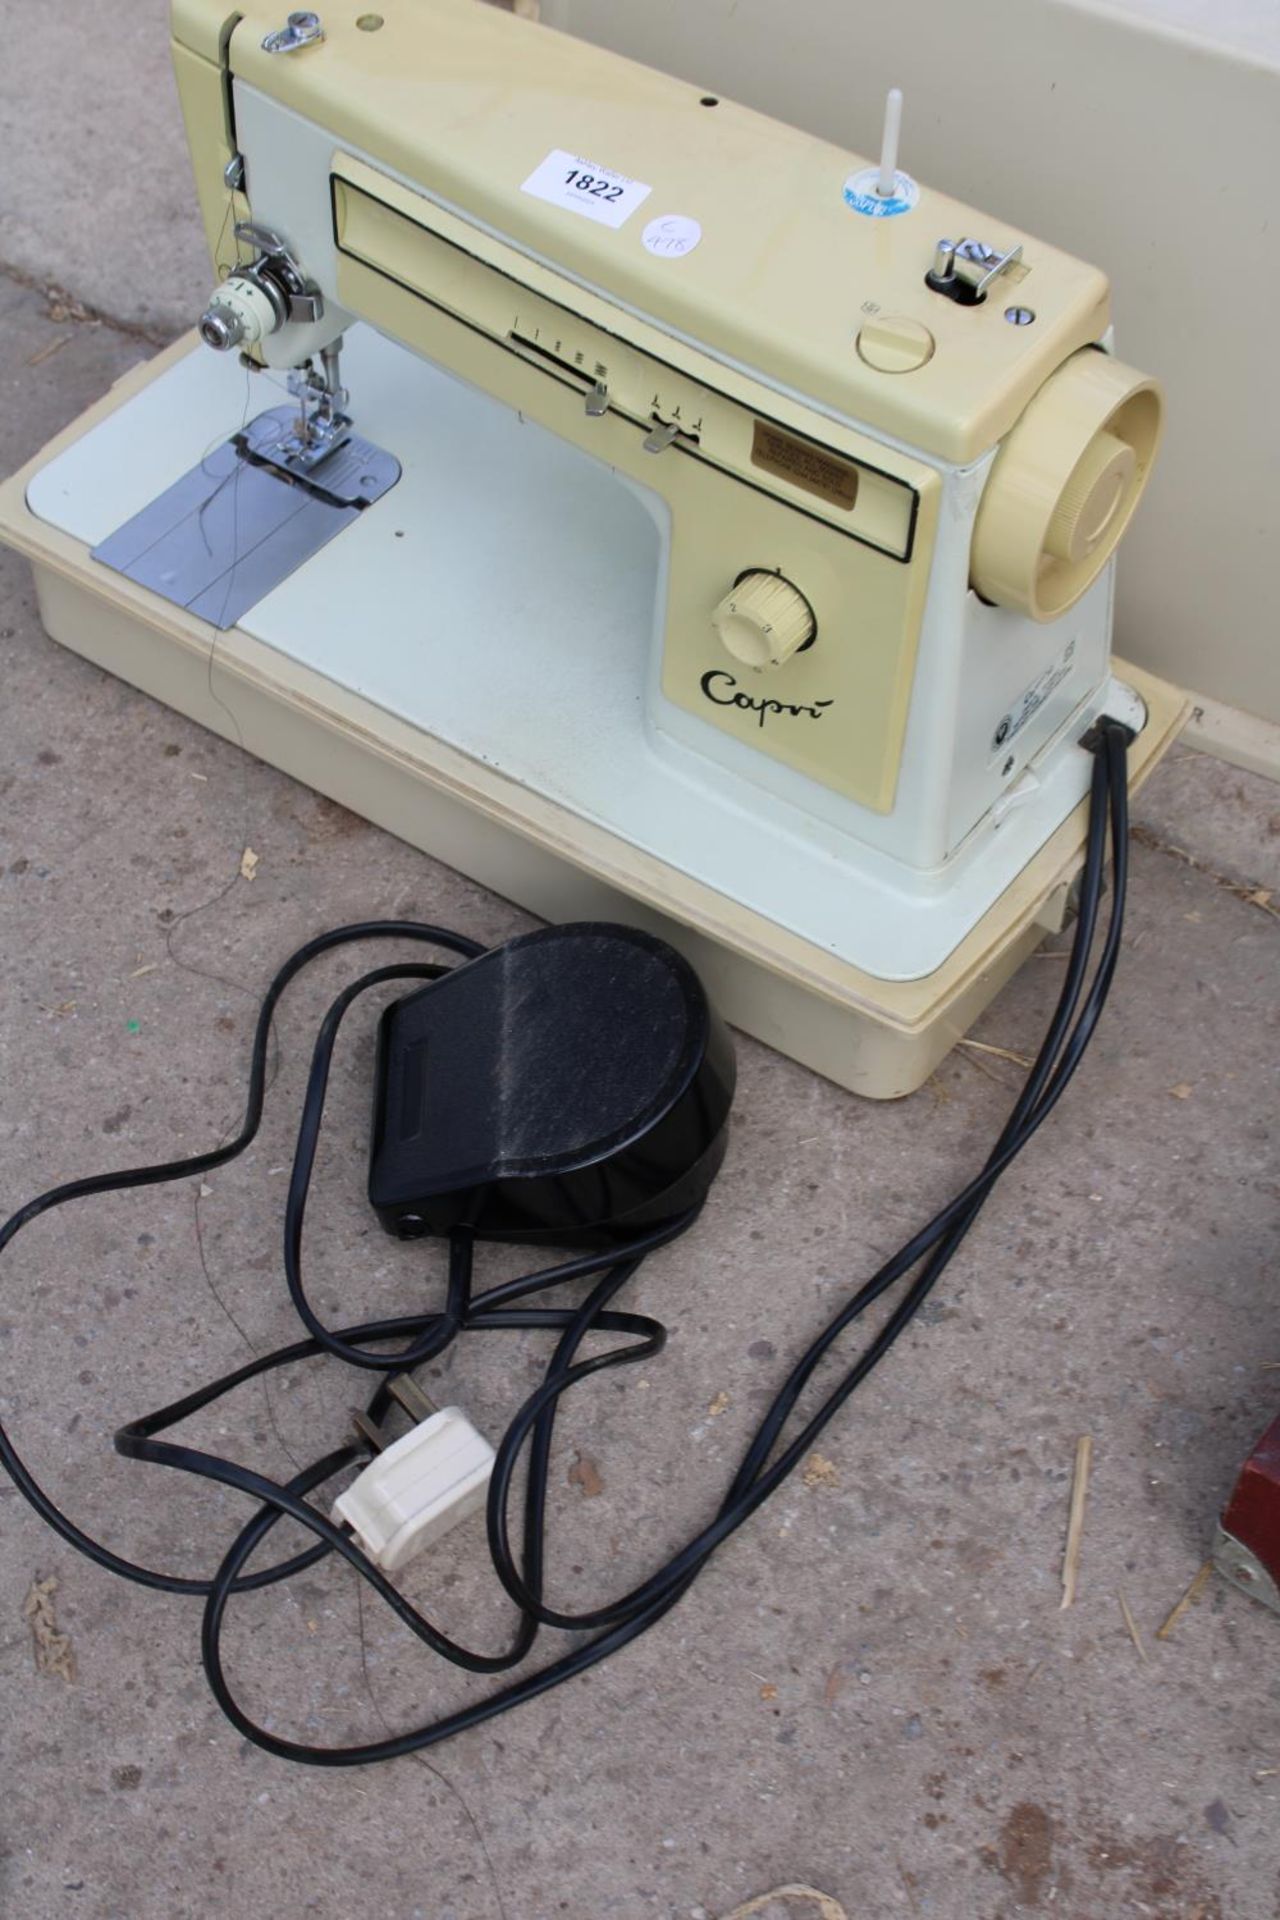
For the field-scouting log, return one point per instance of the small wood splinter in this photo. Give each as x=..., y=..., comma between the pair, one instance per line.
x=1075, y=1525
x=1132, y=1625
x=1187, y=1601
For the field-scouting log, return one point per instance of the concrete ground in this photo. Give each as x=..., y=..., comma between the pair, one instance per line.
x=872, y=1688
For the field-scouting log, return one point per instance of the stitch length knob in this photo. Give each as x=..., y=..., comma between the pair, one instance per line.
x=764, y=620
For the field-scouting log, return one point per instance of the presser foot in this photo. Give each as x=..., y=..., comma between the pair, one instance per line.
x=341, y=467
x=318, y=427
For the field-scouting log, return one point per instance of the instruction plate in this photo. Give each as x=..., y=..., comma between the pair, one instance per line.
x=598, y=193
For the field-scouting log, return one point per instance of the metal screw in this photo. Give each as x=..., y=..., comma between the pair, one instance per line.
x=1019, y=316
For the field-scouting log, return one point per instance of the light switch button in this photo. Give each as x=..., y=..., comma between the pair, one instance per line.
x=891, y=343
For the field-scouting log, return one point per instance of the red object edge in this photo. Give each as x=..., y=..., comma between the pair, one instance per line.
x=1252, y=1514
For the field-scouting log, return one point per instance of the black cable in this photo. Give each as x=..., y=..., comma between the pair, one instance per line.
x=154, y=1175
x=424, y=1335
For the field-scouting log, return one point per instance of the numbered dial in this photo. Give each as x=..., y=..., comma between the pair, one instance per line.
x=764, y=620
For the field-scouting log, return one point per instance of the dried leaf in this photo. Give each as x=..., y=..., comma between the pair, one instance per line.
x=768, y=1691
x=818, y=1471
x=248, y=864
x=585, y=1474
x=718, y=1405
x=1182, y=1091
x=53, y=1650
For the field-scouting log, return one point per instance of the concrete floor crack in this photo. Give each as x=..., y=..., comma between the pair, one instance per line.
x=1251, y=892
x=64, y=307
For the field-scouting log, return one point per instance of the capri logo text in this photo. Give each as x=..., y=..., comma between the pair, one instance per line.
x=723, y=691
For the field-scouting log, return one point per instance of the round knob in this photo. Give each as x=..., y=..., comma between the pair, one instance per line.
x=763, y=620
x=220, y=328
x=240, y=312
x=1091, y=498
x=1064, y=485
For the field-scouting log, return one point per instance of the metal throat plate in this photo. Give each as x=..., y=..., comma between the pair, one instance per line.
x=230, y=530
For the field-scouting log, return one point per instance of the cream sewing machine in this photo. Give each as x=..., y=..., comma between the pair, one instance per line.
x=647, y=508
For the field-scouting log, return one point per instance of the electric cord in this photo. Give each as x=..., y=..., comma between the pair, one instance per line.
x=424, y=1336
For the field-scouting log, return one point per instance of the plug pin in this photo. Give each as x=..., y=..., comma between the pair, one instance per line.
x=368, y=1429
x=416, y=1403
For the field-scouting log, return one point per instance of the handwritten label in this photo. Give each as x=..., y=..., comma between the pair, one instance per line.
x=671, y=236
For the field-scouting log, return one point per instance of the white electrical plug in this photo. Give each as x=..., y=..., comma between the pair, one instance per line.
x=423, y=1484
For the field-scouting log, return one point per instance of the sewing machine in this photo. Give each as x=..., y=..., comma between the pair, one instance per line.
x=649, y=509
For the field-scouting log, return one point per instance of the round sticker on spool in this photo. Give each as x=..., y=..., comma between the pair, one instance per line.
x=861, y=193
x=671, y=236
